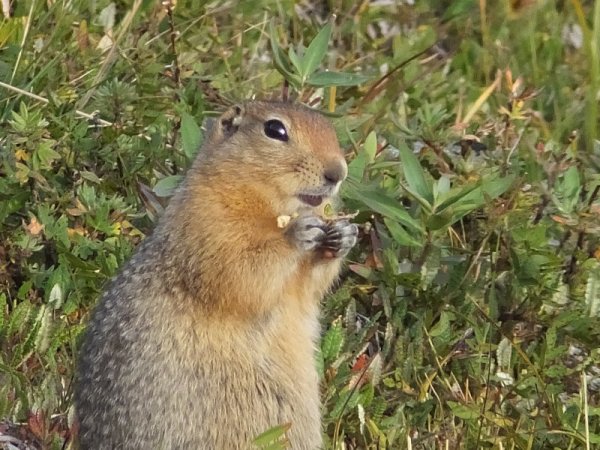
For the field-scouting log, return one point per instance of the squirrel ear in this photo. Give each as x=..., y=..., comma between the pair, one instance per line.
x=230, y=121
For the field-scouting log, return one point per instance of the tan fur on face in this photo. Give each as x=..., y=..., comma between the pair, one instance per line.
x=207, y=336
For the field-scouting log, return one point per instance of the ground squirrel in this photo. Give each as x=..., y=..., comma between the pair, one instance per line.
x=207, y=336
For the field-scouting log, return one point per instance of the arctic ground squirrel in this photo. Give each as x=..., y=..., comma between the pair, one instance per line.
x=207, y=336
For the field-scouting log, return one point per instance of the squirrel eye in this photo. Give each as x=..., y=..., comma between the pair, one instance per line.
x=276, y=130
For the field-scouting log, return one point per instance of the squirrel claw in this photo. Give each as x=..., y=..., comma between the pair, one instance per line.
x=334, y=239
x=340, y=238
x=308, y=232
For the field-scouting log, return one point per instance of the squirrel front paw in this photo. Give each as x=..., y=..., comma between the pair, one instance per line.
x=334, y=239
x=341, y=236
x=307, y=232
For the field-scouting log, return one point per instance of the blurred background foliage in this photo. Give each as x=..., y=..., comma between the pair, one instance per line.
x=467, y=316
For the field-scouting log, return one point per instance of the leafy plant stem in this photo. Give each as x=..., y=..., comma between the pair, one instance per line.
x=85, y=115
x=112, y=53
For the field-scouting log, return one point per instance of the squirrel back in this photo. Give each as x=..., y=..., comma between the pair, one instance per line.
x=206, y=337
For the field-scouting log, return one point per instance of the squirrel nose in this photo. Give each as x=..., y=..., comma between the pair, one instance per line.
x=335, y=174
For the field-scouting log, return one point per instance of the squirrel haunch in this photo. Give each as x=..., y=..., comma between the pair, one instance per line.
x=206, y=337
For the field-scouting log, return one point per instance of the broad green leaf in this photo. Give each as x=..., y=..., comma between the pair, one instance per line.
x=382, y=204
x=571, y=180
x=414, y=174
x=442, y=326
x=422, y=200
x=191, y=135
x=295, y=59
x=90, y=176
x=347, y=401
x=272, y=436
x=56, y=296
x=336, y=79
x=316, y=51
x=568, y=189
x=37, y=337
x=279, y=60
x=44, y=156
x=358, y=165
x=451, y=196
x=442, y=187
x=166, y=186
x=370, y=146
x=467, y=412
x=18, y=318
x=475, y=198
x=440, y=221
x=400, y=235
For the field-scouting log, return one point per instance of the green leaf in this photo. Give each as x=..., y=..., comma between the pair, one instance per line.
x=295, y=59
x=357, y=167
x=486, y=191
x=191, y=136
x=400, y=235
x=18, y=318
x=382, y=204
x=414, y=174
x=466, y=412
x=442, y=187
x=167, y=185
x=370, y=146
x=364, y=158
x=594, y=438
x=90, y=176
x=44, y=156
x=55, y=299
x=332, y=342
x=273, y=438
x=442, y=326
x=439, y=221
x=316, y=51
x=568, y=189
x=279, y=60
x=320, y=79
x=453, y=195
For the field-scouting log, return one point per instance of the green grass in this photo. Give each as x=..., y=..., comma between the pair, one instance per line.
x=467, y=317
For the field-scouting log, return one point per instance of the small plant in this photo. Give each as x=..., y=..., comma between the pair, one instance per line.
x=301, y=65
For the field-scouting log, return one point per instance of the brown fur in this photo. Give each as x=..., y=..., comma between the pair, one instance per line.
x=206, y=337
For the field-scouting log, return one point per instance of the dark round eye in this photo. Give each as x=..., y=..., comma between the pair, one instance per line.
x=276, y=130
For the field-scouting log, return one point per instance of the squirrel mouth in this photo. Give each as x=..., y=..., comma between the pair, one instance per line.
x=312, y=200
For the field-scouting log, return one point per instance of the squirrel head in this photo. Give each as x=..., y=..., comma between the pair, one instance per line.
x=291, y=150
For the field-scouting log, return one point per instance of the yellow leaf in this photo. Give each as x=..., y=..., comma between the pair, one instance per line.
x=22, y=155
x=34, y=228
